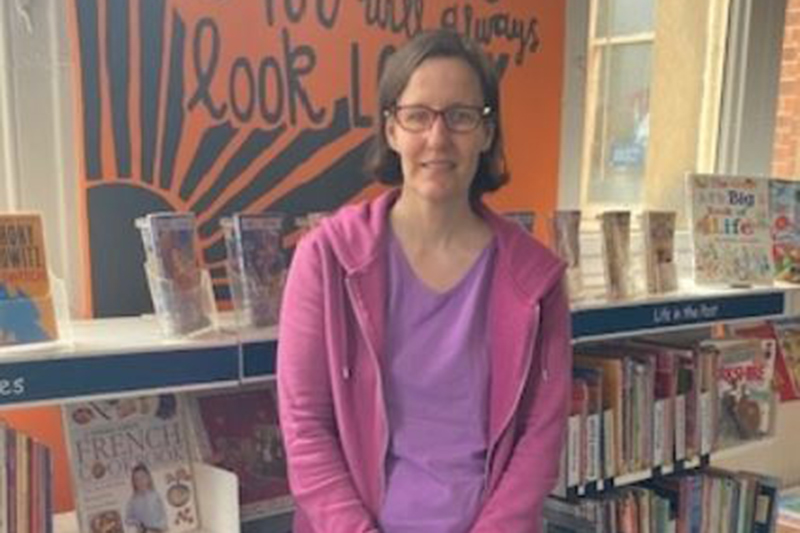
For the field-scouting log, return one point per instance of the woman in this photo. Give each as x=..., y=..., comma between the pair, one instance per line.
x=145, y=510
x=424, y=360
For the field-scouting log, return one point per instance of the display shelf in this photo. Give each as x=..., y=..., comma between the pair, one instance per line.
x=119, y=356
x=604, y=320
x=259, y=355
x=604, y=485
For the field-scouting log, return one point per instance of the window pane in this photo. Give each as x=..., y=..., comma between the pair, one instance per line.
x=624, y=17
x=621, y=127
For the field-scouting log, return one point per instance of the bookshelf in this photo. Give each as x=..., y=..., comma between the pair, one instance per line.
x=119, y=357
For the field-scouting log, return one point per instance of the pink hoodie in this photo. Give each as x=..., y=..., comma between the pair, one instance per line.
x=329, y=375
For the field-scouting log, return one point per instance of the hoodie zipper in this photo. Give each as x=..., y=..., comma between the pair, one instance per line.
x=531, y=342
x=346, y=373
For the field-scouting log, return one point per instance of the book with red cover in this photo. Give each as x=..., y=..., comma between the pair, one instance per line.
x=238, y=430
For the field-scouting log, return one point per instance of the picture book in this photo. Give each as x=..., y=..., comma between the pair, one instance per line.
x=525, y=218
x=730, y=227
x=658, y=228
x=238, y=430
x=616, y=235
x=131, y=468
x=745, y=397
x=257, y=265
x=787, y=333
x=784, y=206
x=566, y=243
x=179, y=297
x=27, y=313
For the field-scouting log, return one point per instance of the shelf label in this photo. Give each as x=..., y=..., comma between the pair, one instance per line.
x=73, y=377
x=639, y=317
x=679, y=313
x=12, y=386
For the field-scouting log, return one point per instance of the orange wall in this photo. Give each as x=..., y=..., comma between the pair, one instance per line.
x=531, y=115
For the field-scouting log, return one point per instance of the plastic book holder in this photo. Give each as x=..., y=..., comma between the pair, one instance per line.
x=183, y=311
x=20, y=320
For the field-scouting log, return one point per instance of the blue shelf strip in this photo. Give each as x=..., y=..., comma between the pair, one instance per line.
x=32, y=381
x=259, y=358
x=696, y=311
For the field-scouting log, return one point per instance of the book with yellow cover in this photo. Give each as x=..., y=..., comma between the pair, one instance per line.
x=27, y=313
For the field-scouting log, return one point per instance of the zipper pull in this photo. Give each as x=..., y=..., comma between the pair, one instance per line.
x=346, y=372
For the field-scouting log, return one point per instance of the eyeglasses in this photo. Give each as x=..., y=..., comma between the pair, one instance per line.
x=457, y=118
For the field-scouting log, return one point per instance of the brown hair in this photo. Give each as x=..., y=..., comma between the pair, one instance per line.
x=382, y=163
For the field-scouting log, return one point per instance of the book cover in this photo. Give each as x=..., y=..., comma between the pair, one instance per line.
x=257, y=264
x=238, y=430
x=730, y=226
x=565, y=229
x=746, y=401
x=787, y=333
x=784, y=205
x=131, y=468
x=658, y=228
x=526, y=219
x=174, y=274
x=27, y=313
x=616, y=236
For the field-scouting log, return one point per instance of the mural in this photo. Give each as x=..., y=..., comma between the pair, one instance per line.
x=224, y=106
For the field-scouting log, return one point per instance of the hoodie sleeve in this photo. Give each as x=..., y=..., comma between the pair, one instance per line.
x=319, y=479
x=515, y=505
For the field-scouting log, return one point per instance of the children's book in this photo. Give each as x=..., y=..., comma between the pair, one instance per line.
x=787, y=333
x=27, y=313
x=658, y=228
x=616, y=235
x=526, y=219
x=730, y=226
x=173, y=272
x=746, y=400
x=131, y=467
x=566, y=243
x=238, y=430
x=784, y=204
x=256, y=264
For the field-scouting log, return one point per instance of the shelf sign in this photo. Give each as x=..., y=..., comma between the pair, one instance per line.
x=642, y=317
x=74, y=377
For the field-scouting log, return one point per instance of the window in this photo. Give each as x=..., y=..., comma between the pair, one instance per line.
x=620, y=49
x=656, y=89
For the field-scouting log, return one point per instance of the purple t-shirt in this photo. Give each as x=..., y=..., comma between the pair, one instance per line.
x=436, y=384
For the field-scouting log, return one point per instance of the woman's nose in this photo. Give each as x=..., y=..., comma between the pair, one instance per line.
x=438, y=132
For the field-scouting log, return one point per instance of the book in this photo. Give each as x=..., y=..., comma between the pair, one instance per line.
x=131, y=466
x=565, y=227
x=257, y=264
x=179, y=296
x=746, y=400
x=784, y=207
x=526, y=219
x=238, y=430
x=27, y=313
x=788, y=351
x=787, y=333
x=616, y=235
x=730, y=227
x=658, y=228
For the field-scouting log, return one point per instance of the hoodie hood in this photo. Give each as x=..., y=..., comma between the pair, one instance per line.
x=357, y=235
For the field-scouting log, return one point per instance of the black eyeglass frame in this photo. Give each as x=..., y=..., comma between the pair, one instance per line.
x=485, y=111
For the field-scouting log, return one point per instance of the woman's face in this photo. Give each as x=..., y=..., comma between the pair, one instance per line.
x=438, y=164
x=141, y=480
